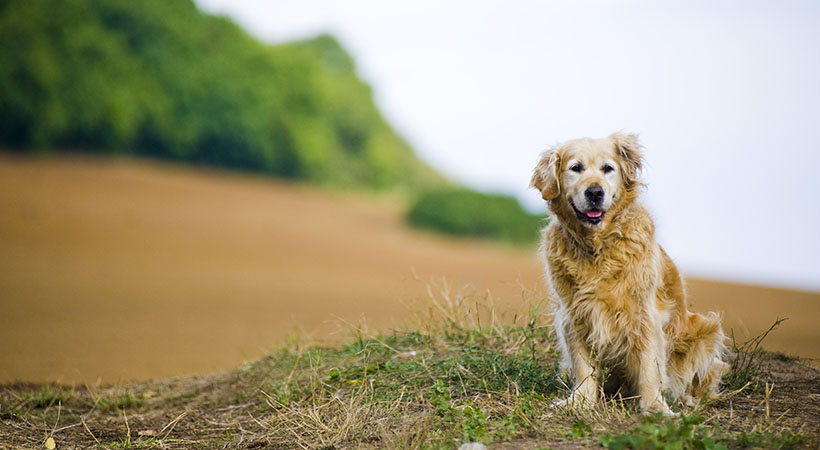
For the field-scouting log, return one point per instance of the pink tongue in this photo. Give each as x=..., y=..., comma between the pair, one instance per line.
x=594, y=213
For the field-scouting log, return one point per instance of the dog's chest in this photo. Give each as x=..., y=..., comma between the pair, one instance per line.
x=604, y=297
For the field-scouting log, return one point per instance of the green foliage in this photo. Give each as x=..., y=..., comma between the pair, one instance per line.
x=782, y=440
x=689, y=432
x=466, y=416
x=580, y=429
x=654, y=433
x=476, y=425
x=460, y=211
x=526, y=410
x=491, y=370
x=160, y=78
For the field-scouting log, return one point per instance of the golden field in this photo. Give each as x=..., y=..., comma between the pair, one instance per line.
x=116, y=269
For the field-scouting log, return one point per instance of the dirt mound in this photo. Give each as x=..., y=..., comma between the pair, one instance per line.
x=405, y=390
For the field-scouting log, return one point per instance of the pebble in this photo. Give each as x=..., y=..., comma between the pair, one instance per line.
x=473, y=446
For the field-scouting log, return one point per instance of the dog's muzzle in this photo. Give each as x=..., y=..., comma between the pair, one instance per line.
x=594, y=214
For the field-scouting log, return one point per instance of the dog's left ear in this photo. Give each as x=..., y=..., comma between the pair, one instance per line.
x=630, y=154
x=545, y=175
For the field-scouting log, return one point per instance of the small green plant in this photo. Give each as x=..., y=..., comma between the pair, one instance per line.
x=580, y=429
x=439, y=396
x=690, y=432
x=48, y=396
x=474, y=423
x=782, y=440
x=121, y=401
x=467, y=417
x=655, y=433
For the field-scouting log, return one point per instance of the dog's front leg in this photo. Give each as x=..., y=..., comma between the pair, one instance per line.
x=647, y=364
x=585, y=389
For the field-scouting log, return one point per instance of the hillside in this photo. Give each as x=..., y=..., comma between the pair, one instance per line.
x=119, y=269
x=161, y=79
x=116, y=269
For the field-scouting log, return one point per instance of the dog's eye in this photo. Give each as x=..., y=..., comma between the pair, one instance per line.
x=576, y=167
x=607, y=168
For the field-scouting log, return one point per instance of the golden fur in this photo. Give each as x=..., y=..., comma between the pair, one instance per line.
x=619, y=302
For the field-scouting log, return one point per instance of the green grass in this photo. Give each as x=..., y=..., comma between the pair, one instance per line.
x=457, y=378
x=119, y=401
x=463, y=374
x=690, y=432
x=48, y=395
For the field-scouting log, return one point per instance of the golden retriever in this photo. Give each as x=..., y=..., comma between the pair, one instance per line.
x=619, y=302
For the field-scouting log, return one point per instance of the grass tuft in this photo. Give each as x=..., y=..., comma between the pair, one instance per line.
x=48, y=396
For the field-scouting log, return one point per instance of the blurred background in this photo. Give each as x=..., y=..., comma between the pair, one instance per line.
x=186, y=184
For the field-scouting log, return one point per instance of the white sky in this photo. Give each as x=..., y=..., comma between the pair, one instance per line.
x=724, y=94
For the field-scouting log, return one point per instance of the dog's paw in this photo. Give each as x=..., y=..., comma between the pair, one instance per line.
x=658, y=406
x=688, y=401
x=574, y=401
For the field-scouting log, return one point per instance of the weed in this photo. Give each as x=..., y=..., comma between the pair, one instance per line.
x=690, y=432
x=782, y=440
x=474, y=424
x=580, y=429
x=48, y=396
x=120, y=401
x=654, y=432
x=747, y=363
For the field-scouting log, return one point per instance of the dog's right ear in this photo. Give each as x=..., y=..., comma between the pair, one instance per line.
x=545, y=175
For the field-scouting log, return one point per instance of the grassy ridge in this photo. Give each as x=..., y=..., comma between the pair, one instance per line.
x=461, y=376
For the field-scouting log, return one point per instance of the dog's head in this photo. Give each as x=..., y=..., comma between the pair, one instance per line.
x=586, y=178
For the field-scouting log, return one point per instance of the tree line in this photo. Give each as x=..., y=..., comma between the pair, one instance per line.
x=160, y=78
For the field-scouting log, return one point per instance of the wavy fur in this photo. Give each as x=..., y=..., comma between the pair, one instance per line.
x=619, y=301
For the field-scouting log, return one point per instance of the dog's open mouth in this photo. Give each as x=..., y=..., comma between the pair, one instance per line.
x=593, y=216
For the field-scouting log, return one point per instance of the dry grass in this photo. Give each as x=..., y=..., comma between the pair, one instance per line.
x=469, y=372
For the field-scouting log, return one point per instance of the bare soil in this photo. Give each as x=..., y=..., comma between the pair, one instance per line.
x=119, y=270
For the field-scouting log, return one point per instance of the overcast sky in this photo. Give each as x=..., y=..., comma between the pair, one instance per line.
x=724, y=95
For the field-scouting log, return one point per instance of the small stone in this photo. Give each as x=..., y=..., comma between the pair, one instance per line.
x=473, y=446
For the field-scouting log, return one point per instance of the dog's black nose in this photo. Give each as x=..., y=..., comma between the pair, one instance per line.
x=594, y=194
